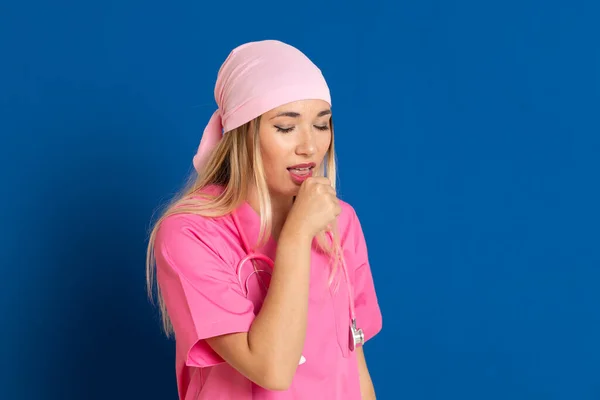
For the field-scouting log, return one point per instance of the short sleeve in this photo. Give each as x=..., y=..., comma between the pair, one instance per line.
x=199, y=288
x=368, y=312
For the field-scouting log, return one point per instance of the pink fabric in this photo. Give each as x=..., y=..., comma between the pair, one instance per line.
x=196, y=272
x=257, y=77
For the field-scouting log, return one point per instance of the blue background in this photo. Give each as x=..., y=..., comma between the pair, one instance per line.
x=468, y=142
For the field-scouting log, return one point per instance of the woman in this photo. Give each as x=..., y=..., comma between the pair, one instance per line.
x=250, y=329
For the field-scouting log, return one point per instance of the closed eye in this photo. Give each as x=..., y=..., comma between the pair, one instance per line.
x=288, y=130
x=284, y=130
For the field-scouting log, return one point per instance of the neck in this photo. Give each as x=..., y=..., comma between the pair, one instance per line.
x=280, y=207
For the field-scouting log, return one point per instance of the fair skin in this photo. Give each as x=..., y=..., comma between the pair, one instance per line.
x=292, y=134
x=295, y=133
x=367, y=390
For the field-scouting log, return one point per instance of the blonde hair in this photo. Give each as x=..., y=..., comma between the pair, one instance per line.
x=231, y=166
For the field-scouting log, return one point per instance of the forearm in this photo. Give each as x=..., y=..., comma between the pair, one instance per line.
x=367, y=390
x=278, y=332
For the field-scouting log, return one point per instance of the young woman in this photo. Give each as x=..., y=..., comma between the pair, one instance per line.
x=262, y=272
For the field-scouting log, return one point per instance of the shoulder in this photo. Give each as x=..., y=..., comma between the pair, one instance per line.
x=189, y=233
x=193, y=246
x=348, y=211
x=348, y=219
x=178, y=224
x=186, y=224
x=185, y=233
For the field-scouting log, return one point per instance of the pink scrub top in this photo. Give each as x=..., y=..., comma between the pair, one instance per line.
x=196, y=261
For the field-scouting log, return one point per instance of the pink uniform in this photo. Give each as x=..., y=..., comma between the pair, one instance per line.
x=196, y=271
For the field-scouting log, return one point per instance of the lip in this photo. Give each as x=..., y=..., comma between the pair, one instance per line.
x=299, y=176
x=305, y=165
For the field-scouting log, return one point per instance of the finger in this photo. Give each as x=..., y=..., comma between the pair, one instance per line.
x=338, y=210
x=330, y=190
x=320, y=180
x=333, y=198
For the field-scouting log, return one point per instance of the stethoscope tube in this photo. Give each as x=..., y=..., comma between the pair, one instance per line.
x=357, y=335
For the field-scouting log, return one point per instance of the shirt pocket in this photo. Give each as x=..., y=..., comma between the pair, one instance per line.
x=341, y=310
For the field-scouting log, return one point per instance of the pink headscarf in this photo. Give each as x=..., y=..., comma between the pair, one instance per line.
x=255, y=78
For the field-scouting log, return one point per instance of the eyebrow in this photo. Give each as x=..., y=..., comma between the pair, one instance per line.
x=293, y=114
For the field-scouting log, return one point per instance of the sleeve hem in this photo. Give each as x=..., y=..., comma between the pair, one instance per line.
x=373, y=329
x=370, y=334
x=201, y=354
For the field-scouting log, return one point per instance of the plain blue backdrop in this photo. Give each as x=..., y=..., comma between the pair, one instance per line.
x=468, y=142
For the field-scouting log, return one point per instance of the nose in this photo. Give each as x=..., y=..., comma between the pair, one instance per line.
x=307, y=145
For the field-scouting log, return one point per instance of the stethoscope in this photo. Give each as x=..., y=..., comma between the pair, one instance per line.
x=357, y=336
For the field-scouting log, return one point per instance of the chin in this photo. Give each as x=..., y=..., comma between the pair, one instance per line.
x=288, y=189
x=291, y=190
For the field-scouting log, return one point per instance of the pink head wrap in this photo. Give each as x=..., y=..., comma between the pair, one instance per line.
x=255, y=78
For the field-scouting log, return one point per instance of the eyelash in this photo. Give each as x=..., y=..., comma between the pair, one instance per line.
x=288, y=130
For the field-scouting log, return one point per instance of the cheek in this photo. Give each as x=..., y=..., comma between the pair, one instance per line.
x=323, y=142
x=274, y=157
x=270, y=163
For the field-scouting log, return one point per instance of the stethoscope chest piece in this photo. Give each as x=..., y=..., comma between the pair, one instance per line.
x=357, y=336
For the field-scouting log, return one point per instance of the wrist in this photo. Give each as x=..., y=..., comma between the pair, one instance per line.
x=295, y=234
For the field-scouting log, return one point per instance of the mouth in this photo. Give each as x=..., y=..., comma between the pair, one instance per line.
x=302, y=168
x=301, y=172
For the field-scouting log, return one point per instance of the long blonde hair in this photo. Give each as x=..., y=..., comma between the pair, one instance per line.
x=231, y=166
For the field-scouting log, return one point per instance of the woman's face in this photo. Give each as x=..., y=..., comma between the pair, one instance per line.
x=294, y=139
